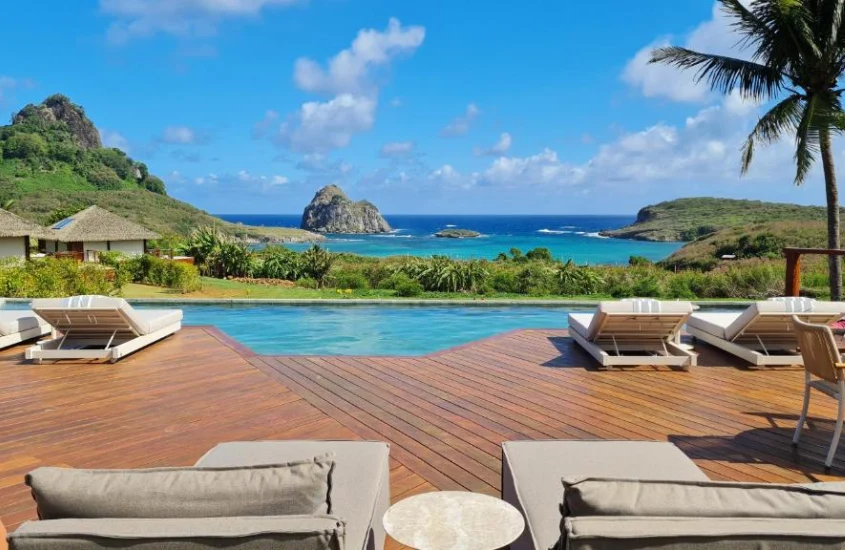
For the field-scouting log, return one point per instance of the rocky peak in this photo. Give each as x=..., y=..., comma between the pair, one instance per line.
x=331, y=211
x=59, y=108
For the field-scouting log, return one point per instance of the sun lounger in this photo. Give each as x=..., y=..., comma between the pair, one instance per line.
x=18, y=326
x=764, y=333
x=634, y=332
x=99, y=327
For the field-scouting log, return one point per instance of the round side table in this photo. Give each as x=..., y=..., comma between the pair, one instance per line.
x=453, y=520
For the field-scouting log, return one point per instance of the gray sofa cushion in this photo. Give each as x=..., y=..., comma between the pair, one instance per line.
x=638, y=533
x=629, y=497
x=360, y=480
x=298, y=487
x=531, y=471
x=245, y=533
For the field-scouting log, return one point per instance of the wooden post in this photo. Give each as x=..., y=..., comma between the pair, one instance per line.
x=26, y=244
x=793, y=273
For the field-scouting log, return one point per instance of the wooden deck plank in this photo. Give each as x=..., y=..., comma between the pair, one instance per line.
x=444, y=414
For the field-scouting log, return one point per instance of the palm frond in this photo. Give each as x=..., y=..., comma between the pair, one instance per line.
x=752, y=29
x=832, y=15
x=790, y=21
x=723, y=73
x=783, y=117
x=807, y=140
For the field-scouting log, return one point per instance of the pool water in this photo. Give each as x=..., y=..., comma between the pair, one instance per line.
x=363, y=329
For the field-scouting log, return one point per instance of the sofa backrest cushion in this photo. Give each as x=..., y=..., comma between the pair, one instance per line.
x=244, y=533
x=300, y=487
x=674, y=533
x=625, y=497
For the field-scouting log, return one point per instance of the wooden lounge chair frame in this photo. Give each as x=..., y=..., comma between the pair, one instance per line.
x=654, y=333
x=768, y=332
x=104, y=333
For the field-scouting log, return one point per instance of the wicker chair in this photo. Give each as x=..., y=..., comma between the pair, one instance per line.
x=823, y=371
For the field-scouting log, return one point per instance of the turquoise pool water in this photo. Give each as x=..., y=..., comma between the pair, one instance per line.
x=363, y=329
x=367, y=330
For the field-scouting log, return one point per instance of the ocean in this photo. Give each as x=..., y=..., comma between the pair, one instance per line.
x=574, y=237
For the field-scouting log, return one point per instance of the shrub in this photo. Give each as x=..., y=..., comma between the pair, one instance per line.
x=165, y=273
x=279, y=262
x=306, y=282
x=117, y=161
x=25, y=146
x=638, y=261
x=505, y=281
x=51, y=278
x=155, y=184
x=317, y=262
x=408, y=288
x=350, y=279
x=541, y=254
x=103, y=177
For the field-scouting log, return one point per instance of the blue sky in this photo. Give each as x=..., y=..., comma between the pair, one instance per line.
x=249, y=106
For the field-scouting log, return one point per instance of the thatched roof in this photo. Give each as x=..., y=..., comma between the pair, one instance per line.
x=97, y=224
x=15, y=226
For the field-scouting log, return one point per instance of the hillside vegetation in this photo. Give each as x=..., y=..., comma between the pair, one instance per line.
x=689, y=219
x=52, y=159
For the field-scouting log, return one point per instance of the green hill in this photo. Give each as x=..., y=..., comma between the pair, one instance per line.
x=51, y=158
x=689, y=219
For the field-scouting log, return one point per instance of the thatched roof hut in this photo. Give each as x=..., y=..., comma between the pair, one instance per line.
x=15, y=226
x=96, y=224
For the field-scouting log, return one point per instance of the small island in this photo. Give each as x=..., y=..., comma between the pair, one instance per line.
x=457, y=234
x=331, y=211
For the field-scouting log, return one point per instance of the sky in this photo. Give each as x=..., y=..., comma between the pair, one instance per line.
x=435, y=107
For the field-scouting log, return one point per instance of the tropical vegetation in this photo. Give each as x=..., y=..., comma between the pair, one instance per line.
x=795, y=56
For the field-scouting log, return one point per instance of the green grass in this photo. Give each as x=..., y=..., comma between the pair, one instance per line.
x=225, y=289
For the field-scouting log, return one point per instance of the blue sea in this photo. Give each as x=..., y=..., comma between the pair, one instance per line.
x=574, y=237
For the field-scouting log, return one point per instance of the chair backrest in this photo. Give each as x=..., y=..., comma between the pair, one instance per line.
x=771, y=320
x=89, y=315
x=818, y=348
x=637, y=320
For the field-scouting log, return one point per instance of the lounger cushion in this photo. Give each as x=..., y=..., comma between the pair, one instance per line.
x=300, y=487
x=638, y=533
x=532, y=468
x=13, y=322
x=580, y=322
x=715, y=323
x=360, y=480
x=244, y=533
x=634, y=497
x=151, y=320
x=634, y=307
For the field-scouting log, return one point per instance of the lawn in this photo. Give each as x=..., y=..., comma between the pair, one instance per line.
x=223, y=289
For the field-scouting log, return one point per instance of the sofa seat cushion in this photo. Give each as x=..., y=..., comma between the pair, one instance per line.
x=674, y=533
x=360, y=479
x=531, y=469
x=13, y=322
x=244, y=533
x=636, y=497
x=298, y=487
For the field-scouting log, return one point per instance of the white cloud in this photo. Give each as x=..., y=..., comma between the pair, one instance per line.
x=544, y=168
x=9, y=84
x=713, y=36
x=447, y=176
x=350, y=70
x=319, y=127
x=279, y=180
x=396, y=149
x=242, y=179
x=180, y=135
x=461, y=125
x=264, y=126
x=113, y=139
x=139, y=18
x=499, y=148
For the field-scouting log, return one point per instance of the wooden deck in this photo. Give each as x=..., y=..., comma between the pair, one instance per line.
x=444, y=414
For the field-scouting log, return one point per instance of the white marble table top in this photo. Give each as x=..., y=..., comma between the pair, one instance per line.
x=453, y=520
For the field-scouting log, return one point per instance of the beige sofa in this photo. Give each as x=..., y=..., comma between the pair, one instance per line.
x=643, y=495
x=209, y=508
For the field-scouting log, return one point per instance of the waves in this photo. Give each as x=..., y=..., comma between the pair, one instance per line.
x=552, y=231
x=595, y=236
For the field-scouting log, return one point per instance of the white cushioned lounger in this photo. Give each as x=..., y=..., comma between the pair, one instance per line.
x=763, y=334
x=18, y=326
x=99, y=327
x=634, y=332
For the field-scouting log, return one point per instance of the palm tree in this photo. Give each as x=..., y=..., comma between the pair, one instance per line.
x=796, y=56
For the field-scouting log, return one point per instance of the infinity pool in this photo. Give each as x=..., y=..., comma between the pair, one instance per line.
x=362, y=329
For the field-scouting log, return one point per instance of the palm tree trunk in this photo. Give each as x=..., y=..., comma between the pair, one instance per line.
x=832, y=193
